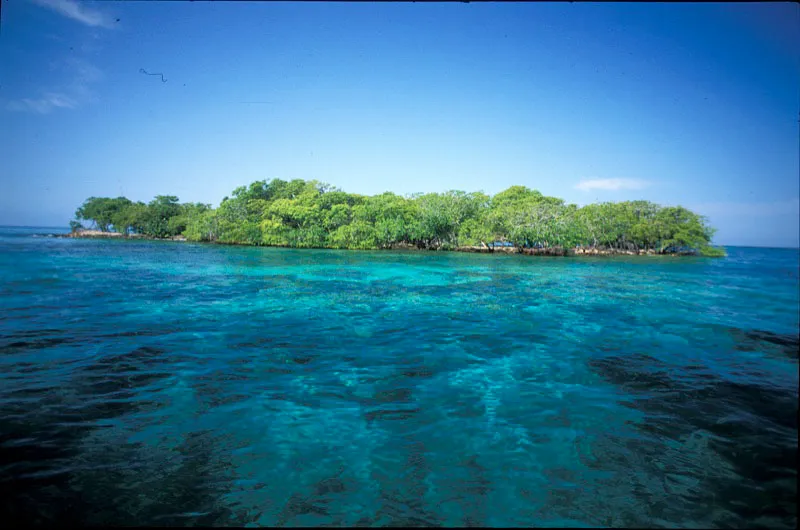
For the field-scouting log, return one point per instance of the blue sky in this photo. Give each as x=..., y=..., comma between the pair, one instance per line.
x=692, y=104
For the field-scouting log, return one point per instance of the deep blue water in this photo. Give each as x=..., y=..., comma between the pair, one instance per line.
x=180, y=384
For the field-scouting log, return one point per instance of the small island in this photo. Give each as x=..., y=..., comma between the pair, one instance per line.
x=310, y=214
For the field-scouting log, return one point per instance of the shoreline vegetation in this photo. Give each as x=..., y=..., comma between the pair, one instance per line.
x=310, y=214
x=97, y=234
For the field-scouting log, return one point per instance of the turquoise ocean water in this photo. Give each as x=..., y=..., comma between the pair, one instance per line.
x=181, y=384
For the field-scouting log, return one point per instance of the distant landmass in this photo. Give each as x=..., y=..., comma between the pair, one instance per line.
x=311, y=214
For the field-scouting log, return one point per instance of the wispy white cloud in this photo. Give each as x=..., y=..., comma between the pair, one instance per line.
x=611, y=184
x=75, y=91
x=84, y=74
x=748, y=209
x=78, y=12
x=74, y=77
x=43, y=105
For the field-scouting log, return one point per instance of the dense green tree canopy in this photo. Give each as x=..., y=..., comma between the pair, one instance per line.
x=102, y=211
x=310, y=214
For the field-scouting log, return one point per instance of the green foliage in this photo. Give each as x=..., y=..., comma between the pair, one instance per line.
x=310, y=214
x=357, y=235
x=156, y=217
x=133, y=218
x=202, y=226
x=102, y=211
x=712, y=252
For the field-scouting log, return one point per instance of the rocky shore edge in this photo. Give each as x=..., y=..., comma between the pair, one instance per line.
x=557, y=251
x=97, y=234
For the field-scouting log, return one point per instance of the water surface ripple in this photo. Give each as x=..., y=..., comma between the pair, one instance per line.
x=157, y=383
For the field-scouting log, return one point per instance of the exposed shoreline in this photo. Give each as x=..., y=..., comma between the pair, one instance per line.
x=552, y=252
x=97, y=234
x=561, y=252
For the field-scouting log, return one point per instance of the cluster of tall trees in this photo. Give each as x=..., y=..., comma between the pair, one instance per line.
x=310, y=214
x=162, y=217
